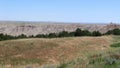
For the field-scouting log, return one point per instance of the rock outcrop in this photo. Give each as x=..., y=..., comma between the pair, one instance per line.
x=34, y=28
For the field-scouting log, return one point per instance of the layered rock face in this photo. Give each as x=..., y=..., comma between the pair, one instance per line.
x=34, y=28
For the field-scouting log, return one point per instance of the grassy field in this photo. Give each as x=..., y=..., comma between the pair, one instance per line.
x=70, y=52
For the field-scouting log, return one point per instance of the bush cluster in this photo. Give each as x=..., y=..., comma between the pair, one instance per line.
x=115, y=45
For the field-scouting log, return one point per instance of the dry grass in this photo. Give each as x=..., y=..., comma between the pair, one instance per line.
x=50, y=51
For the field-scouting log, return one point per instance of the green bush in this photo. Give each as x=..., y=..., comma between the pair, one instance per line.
x=96, y=33
x=63, y=65
x=113, y=32
x=110, y=61
x=115, y=45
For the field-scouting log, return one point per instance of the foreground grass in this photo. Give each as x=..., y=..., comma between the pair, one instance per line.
x=72, y=52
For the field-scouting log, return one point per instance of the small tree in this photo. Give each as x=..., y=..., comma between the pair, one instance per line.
x=22, y=36
x=96, y=33
x=109, y=32
x=116, y=31
x=41, y=36
x=78, y=32
x=52, y=35
x=1, y=37
x=86, y=33
x=72, y=34
x=63, y=34
x=31, y=36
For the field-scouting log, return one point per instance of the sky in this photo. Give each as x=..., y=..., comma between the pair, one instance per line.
x=83, y=11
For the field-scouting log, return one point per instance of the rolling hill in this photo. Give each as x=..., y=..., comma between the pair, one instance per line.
x=51, y=52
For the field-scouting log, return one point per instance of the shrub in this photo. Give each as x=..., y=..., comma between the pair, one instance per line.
x=96, y=33
x=116, y=56
x=79, y=32
x=110, y=61
x=114, y=32
x=63, y=34
x=115, y=45
x=91, y=61
x=63, y=65
x=52, y=35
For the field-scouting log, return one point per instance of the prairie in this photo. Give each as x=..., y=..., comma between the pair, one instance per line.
x=70, y=52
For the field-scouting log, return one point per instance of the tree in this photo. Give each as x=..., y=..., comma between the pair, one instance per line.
x=31, y=36
x=72, y=34
x=96, y=33
x=109, y=32
x=86, y=33
x=63, y=34
x=22, y=36
x=41, y=36
x=52, y=35
x=116, y=31
x=1, y=37
x=78, y=32
x=6, y=37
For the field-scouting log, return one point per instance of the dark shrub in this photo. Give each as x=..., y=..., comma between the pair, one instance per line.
x=115, y=45
x=110, y=61
x=96, y=33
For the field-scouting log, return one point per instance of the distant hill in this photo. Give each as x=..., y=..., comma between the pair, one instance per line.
x=34, y=28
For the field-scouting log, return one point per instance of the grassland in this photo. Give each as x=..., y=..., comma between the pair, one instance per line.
x=71, y=52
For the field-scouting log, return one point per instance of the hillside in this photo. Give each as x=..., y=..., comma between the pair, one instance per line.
x=34, y=28
x=50, y=52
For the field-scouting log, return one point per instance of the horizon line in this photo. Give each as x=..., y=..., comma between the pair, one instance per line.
x=57, y=22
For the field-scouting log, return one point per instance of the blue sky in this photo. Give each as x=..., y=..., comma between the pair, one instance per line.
x=85, y=11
